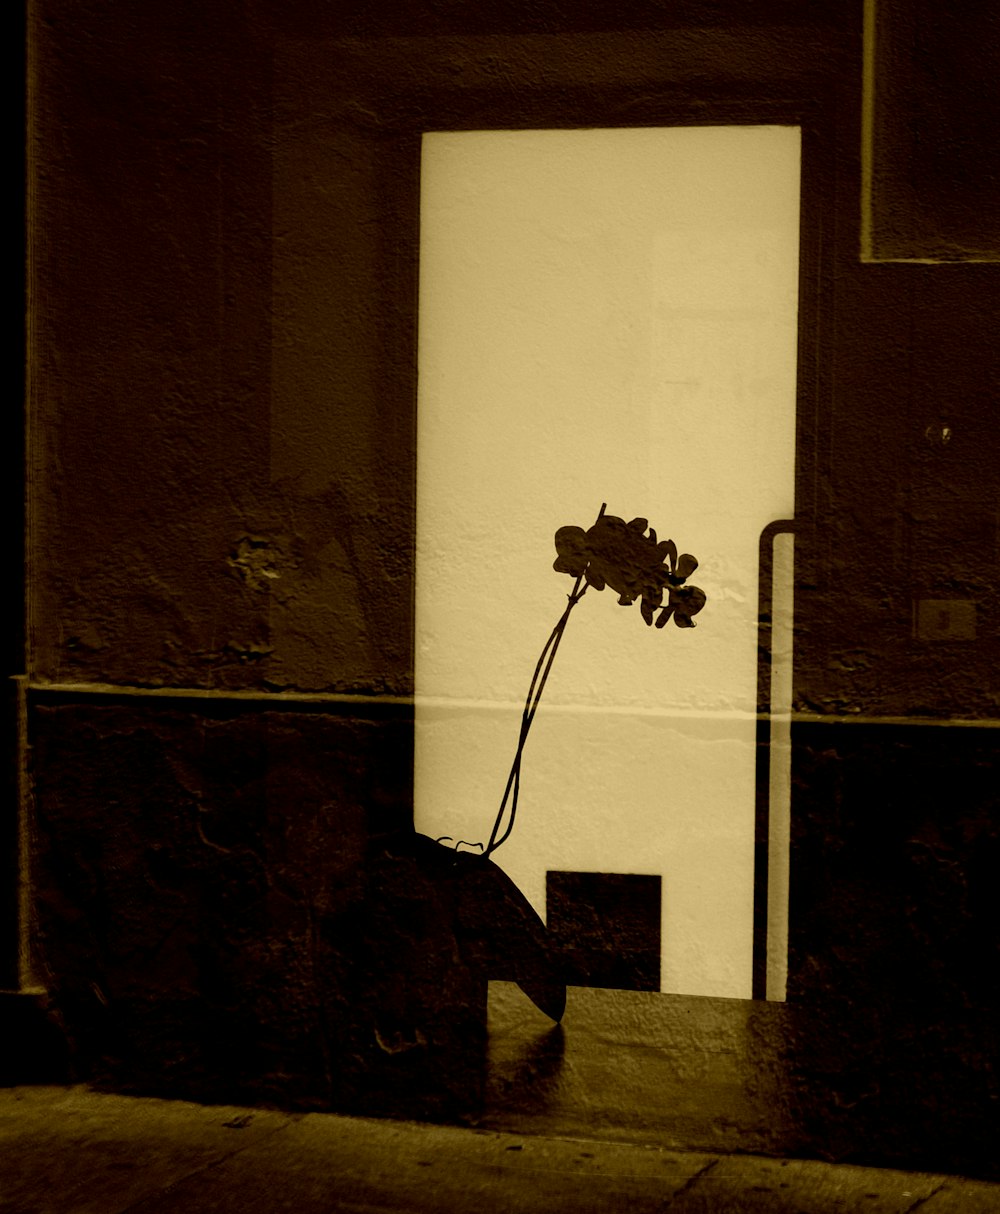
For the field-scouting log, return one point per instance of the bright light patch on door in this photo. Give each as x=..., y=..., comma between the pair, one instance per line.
x=605, y=316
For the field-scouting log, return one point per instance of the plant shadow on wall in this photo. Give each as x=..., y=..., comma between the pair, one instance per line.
x=440, y=917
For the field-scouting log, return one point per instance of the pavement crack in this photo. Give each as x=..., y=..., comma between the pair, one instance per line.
x=136, y=1206
x=915, y=1205
x=690, y=1182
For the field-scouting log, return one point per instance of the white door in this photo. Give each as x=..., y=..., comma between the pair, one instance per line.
x=606, y=316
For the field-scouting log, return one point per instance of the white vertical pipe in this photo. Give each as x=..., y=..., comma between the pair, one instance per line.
x=779, y=833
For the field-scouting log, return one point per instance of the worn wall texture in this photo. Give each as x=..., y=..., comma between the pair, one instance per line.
x=220, y=487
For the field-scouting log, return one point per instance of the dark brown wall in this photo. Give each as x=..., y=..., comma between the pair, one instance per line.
x=220, y=476
x=150, y=269
x=221, y=451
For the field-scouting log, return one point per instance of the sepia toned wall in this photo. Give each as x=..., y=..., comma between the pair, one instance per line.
x=220, y=472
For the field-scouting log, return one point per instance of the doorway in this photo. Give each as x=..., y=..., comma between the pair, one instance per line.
x=605, y=316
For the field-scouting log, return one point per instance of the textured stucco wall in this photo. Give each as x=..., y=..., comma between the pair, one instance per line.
x=222, y=352
x=220, y=480
x=220, y=476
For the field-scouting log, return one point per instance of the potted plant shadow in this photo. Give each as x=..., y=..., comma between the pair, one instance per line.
x=440, y=918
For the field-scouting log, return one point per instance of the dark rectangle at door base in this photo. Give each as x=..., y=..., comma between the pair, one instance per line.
x=605, y=928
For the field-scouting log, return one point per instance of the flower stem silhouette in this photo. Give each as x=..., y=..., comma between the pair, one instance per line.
x=617, y=554
x=537, y=686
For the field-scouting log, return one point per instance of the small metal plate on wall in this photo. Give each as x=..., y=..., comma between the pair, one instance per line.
x=944, y=620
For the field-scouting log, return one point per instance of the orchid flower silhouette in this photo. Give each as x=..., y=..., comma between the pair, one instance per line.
x=485, y=920
x=621, y=555
x=635, y=564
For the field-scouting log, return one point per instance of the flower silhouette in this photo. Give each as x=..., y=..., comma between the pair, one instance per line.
x=638, y=566
x=482, y=926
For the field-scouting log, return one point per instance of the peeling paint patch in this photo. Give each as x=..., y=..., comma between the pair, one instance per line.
x=256, y=560
x=246, y=653
x=85, y=638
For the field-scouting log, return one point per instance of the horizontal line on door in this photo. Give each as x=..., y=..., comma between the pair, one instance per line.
x=339, y=698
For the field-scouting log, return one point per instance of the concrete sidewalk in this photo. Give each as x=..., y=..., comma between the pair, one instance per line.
x=69, y=1150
